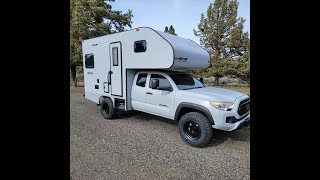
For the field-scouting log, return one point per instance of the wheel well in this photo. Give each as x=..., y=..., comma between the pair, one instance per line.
x=103, y=97
x=115, y=103
x=186, y=107
x=185, y=110
x=118, y=101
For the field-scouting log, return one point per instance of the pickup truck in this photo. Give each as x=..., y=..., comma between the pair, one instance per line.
x=181, y=97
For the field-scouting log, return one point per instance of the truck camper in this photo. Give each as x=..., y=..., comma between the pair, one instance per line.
x=138, y=70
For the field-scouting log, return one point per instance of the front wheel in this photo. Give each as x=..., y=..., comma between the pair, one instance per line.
x=195, y=129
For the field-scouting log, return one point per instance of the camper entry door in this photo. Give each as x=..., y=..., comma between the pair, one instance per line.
x=115, y=73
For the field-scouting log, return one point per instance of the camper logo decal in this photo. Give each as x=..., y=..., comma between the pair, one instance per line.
x=181, y=59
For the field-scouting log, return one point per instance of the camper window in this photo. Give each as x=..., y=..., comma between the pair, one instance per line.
x=89, y=61
x=141, y=81
x=115, y=56
x=140, y=46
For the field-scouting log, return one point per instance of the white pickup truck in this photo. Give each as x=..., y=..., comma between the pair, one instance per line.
x=181, y=97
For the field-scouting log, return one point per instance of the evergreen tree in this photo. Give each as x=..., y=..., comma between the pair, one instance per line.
x=90, y=19
x=166, y=29
x=221, y=33
x=170, y=30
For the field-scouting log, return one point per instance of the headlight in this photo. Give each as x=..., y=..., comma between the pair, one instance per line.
x=222, y=106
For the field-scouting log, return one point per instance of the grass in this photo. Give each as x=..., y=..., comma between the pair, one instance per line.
x=242, y=89
x=79, y=89
x=76, y=89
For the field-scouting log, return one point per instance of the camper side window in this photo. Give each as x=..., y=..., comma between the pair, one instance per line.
x=141, y=80
x=140, y=46
x=89, y=61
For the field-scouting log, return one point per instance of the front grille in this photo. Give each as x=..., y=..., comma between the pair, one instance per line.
x=244, y=107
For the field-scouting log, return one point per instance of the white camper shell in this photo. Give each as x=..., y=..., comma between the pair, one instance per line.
x=111, y=61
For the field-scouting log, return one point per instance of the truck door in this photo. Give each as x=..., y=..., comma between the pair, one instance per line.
x=138, y=92
x=115, y=73
x=160, y=102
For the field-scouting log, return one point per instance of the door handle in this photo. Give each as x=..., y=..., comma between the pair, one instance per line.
x=149, y=93
x=109, y=77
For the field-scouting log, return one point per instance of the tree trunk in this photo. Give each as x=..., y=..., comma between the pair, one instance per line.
x=216, y=81
x=73, y=76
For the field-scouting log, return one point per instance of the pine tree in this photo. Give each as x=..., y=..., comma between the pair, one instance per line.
x=170, y=30
x=166, y=29
x=221, y=33
x=243, y=66
x=90, y=19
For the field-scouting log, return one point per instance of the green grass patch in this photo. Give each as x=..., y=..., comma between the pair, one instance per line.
x=245, y=90
x=242, y=89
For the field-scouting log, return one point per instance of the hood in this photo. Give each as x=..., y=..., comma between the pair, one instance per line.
x=213, y=94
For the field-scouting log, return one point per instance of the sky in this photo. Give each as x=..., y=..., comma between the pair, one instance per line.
x=184, y=15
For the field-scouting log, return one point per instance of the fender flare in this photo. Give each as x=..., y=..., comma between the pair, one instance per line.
x=193, y=106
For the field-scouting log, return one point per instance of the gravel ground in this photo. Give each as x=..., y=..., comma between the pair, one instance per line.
x=143, y=146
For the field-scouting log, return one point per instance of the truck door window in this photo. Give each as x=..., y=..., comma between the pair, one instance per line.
x=141, y=80
x=163, y=82
x=115, y=56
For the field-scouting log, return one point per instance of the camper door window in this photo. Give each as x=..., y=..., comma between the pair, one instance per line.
x=89, y=61
x=140, y=46
x=115, y=56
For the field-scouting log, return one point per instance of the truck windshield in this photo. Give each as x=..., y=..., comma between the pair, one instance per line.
x=185, y=81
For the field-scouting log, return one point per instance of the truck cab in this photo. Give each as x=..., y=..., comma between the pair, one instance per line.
x=181, y=97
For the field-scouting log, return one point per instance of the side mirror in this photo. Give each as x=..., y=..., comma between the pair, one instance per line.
x=155, y=83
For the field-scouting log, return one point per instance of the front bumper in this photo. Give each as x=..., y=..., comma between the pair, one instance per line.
x=230, y=120
x=244, y=122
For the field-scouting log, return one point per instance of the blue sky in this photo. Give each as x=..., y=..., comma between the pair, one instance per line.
x=184, y=15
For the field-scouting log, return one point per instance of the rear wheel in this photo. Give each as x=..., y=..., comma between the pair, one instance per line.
x=107, y=110
x=195, y=129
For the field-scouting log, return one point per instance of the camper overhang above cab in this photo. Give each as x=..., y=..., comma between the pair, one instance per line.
x=186, y=53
